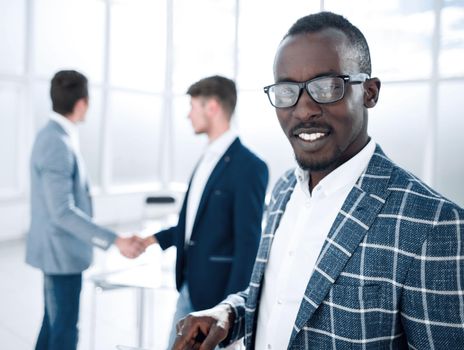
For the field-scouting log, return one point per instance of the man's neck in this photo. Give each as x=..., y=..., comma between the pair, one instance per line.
x=217, y=132
x=73, y=118
x=316, y=176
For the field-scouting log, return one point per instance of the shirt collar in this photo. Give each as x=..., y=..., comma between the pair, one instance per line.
x=69, y=127
x=222, y=143
x=345, y=175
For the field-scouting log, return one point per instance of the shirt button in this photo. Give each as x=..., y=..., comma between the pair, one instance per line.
x=290, y=253
x=279, y=301
x=269, y=346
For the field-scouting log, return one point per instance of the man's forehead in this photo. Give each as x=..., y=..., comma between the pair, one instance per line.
x=328, y=37
x=325, y=50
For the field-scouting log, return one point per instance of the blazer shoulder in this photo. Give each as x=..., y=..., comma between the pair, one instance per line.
x=244, y=154
x=402, y=178
x=424, y=202
x=51, y=134
x=52, y=143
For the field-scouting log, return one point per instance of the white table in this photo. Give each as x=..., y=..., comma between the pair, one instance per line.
x=142, y=278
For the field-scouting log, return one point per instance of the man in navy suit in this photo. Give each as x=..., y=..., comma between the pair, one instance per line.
x=62, y=234
x=357, y=253
x=220, y=221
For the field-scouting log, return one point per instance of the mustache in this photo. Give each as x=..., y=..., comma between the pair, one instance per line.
x=311, y=127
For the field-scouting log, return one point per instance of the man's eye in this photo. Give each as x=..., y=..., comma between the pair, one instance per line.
x=285, y=90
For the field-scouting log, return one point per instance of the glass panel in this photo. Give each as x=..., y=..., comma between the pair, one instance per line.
x=69, y=34
x=187, y=147
x=42, y=104
x=203, y=40
x=259, y=38
x=134, y=138
x=399, y=123
x=452, y=41
x=89, y=131
x=399, y=34
x=138, y=33
x=12, y=35
x=10, y=102
x=261, y=132
x=450, y=166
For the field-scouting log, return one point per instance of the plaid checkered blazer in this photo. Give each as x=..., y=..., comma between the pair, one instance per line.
x=389, y=275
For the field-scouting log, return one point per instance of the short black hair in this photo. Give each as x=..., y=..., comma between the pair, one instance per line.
x=325, y=20
x=67, y=87
x=219, y=87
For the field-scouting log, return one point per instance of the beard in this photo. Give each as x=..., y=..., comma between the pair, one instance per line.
x=319, y=164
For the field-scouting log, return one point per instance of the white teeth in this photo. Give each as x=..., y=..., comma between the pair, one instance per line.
x=310, y=137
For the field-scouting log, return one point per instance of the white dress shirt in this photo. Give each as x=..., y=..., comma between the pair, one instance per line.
x=71, y=129
x=213, y=152
x=296, y=246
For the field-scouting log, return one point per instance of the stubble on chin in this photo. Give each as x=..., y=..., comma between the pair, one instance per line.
x=314, y=164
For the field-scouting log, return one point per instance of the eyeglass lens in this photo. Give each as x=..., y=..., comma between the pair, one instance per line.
x=323, y=90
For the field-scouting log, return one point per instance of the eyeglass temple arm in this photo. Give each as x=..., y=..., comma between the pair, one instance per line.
x=359, y=78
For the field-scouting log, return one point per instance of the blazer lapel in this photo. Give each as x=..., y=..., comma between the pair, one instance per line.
x=358, y=212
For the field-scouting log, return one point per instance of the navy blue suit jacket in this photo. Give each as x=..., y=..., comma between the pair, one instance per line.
x=226, y=231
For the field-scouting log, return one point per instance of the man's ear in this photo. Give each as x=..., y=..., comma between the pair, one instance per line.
x=213, y=106
x=371, y=92
x=81, y=105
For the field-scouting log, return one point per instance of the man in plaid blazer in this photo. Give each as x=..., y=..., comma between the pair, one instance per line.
x=357, y=253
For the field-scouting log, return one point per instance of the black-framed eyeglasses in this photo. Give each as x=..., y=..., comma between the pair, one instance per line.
x=323, y=90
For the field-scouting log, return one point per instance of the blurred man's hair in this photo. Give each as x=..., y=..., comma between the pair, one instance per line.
x=67, y=87
x=221, y=88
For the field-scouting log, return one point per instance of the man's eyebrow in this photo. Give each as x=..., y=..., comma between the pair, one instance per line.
x=323, y=74
x=285, y=80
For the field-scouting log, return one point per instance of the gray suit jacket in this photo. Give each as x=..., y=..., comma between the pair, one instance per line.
x=62, y=233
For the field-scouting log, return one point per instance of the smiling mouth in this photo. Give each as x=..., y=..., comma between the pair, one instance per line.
x=311, y=137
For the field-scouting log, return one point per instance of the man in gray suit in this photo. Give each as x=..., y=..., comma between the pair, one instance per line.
x=62, y=233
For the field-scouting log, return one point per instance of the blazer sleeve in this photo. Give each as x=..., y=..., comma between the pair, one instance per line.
x=56, y=168
x=175, y=234
x=432, y=304
x=167, y=238
x=237, y=302
x=248, y=212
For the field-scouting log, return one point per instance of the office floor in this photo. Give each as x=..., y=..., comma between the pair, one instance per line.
x=21, y=305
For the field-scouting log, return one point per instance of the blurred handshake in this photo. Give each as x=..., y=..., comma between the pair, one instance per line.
x=132, y=247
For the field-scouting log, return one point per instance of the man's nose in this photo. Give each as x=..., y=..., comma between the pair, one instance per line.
x=306, y=108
